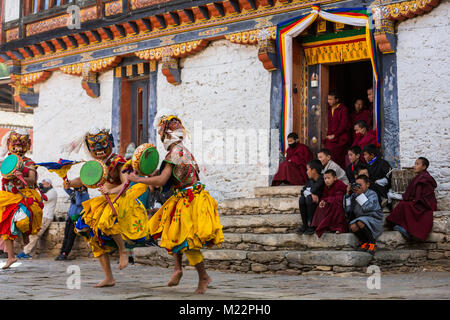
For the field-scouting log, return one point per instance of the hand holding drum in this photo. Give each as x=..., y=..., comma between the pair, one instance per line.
x=144, y=162
x=93, y=174
x=12, y=168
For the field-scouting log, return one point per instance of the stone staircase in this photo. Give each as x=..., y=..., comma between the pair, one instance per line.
x=260, y=237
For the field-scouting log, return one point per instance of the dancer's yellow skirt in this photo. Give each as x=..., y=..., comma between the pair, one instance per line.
x=98, y=222
x=28, y=197
x=188, y=221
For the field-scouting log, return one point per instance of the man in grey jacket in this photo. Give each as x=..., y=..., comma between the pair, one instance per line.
x=364, y=212
x=324, y=156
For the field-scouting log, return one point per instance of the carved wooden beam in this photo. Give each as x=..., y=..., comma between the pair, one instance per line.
x=408, y=9
x=171, y=70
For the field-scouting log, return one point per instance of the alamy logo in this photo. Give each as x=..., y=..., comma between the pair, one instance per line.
x=75, y=17
x=374, y=280
x=74, y=280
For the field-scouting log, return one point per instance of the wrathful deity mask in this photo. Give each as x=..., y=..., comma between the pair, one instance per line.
x=100, y=144
x=19, y=144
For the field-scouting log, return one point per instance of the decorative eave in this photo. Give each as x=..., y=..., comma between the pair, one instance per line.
x=181, y=50
x=410, y=9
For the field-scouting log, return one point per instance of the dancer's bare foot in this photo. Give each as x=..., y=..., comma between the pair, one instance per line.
x=105, y=283
x=123, y=260
x=203, y=285
x=175, y=279
x=9, y=262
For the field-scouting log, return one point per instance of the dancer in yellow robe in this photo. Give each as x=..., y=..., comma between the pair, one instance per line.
x=188, y=221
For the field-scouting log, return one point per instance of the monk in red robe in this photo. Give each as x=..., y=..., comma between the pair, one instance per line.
x=364, y=136
x=338, y=133
x=330, y=215
x=292, y=171
x=361, y=113
x=370, y=97
x=413, y=216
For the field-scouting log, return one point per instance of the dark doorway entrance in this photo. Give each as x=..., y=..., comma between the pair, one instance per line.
x=351, y=81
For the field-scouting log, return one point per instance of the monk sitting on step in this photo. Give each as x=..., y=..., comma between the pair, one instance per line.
x=413, y=216
x=330, y=215
x=292, y=171
x=364, y=212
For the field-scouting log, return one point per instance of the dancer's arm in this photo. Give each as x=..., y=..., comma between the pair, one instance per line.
x=157, y=181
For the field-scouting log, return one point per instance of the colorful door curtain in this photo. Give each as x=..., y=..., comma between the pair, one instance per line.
x=287, y=30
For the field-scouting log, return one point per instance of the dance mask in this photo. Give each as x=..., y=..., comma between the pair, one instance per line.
x=18, y=143
x=100, y=144
x=171, y=130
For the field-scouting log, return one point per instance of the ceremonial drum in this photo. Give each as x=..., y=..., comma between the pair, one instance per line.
x=401, y=178
x=145, y=159
x=10, y=165
x=93, y=174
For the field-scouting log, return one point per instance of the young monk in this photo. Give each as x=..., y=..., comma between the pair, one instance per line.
x=354, y=155
x=188, y=220
x=324, y=156
x=310, y=195
x=361, y=113
x=338, y=134
x=363, y=136
x=363, y=209
x=330, y=214
x=379, y=171
x=292, y=171
x=413, y=216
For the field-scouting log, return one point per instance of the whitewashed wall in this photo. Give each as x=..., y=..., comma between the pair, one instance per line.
x=9, y=118
x=12, y=10
x=423, y=62
x=224, y=87
x=65, y=112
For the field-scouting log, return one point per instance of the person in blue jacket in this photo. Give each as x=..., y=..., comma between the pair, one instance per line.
x=77, y=197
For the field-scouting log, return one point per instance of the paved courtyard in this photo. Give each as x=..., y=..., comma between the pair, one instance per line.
x=49, y=279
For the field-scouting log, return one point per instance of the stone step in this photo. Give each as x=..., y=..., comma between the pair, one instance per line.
x=266, y=223
x=274, y=261
x=254, y=206
x=388, y=240
x=289, y=241
x=278, y=192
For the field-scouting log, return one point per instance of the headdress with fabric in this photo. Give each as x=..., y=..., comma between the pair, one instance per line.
x=16, y=141
x=170, y=128
x=98, y=143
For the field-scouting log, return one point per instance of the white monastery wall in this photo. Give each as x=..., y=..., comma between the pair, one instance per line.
x=8, y=118
x=224, y=89
x=12, y=10
x=423, y=64
x=66, y=112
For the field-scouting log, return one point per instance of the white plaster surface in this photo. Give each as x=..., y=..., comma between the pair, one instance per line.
x=8, y=118
x=423, y=62
x=12, y=10
x=224, y=89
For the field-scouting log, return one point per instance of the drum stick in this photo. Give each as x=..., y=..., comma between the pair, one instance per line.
x=111, y=204
x=124, y=187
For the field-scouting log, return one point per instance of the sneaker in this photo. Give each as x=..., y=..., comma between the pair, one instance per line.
x=131, y=259
x=309, y=231
x=402, y=231
x=363, y=247
x=301, y=230
x=372, y=248
x=23, y=255
x=61, y=257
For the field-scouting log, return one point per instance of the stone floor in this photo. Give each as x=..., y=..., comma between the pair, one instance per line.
x=47, y=279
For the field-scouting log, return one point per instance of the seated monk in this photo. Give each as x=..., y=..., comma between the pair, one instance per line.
x=361, y=113
x=292, y=171
x=363, y=136
x=330, y=213
x=413, y=216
